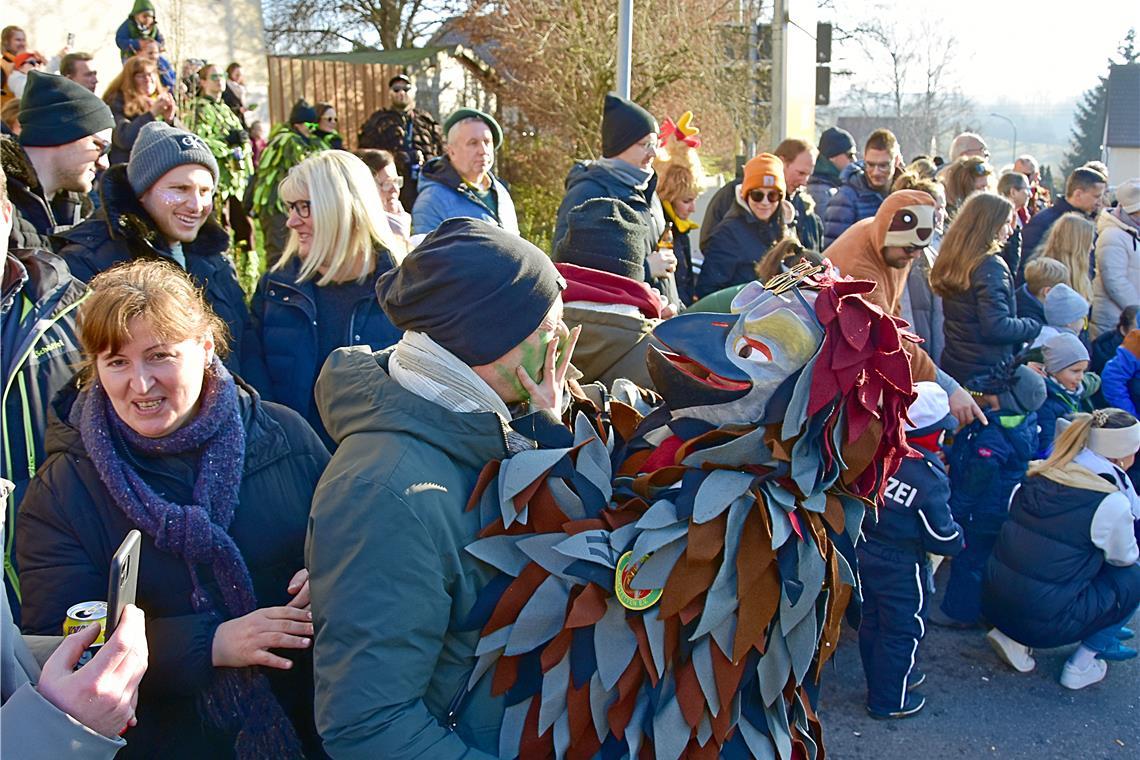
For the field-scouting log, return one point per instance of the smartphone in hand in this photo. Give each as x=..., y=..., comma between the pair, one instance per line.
x=124, y=578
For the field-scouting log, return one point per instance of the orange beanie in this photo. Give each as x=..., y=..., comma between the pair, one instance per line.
x=764, y=171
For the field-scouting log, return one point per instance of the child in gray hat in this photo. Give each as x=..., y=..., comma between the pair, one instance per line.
x=1066, y=311
x=1069, y=386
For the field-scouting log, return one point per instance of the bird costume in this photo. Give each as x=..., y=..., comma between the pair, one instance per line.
x=673, y=571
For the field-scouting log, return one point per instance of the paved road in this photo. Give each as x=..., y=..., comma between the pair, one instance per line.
x=977, y=707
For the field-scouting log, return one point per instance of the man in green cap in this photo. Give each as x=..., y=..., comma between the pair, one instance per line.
x=460, y=183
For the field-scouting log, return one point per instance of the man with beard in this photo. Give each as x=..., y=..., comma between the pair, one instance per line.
x=411, y=135
x=864, y=187
x=65, y=135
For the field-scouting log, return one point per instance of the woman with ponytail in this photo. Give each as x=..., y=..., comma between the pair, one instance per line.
x=1064, y=567
x=159, y=436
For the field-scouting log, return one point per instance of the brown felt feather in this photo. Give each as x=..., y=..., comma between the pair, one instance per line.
x=622, y=709
x=625, y=419
x=487, y=476
x=727, y=675
x=638, y=627
x=689, y=695
x=515, y=597
x=506, y=673
x=588, y=608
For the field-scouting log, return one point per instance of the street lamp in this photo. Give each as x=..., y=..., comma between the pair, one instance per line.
x=1014, y=127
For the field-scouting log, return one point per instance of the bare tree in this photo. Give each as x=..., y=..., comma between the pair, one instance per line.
x=301, y=25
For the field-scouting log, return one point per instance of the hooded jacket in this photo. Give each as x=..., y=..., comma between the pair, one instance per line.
x=981, y=325
x=1059, y=402
x=443, y=194
x=39, y=354
x=595, y=179
x=35, y=219
x=1117, y=282
x=986, y=463
x=121, y=230
x=392, y=584
x=70, y=527
x=858, y=254
x=853, y=201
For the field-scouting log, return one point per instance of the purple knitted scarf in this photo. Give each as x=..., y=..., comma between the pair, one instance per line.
x=238, y=700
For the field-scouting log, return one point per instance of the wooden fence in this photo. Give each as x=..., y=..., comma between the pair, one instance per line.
x=356, y=90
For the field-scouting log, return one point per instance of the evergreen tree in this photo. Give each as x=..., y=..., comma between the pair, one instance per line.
x=1088, y=131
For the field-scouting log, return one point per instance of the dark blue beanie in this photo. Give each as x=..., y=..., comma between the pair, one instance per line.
x=835, y=142
x=472, y=287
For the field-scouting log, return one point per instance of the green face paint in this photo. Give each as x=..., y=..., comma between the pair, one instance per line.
x=532, y=359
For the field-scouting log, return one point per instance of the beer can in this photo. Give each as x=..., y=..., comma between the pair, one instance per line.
x=81, y=615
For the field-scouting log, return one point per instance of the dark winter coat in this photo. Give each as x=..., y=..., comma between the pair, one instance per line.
x=823, y=184
x=809, y=227
x=391, y=579
x=922, y=307
x=1102, y=348
x=444, y=195
x=285, y=318
x=70, y=527
x=854, y=200
x=1071, y=595
x=35, y=219
x=914, y=514
x=982, y=326
x=593, y=179
x=1011, y=251
x=1028, y=304
x=734, y=249
x=1034, y=233
x=126, y=130
x=121, y=230
x=388, y=129
x=986, y=463
x=723, y=201
x=684, y=276
x=1058, y=403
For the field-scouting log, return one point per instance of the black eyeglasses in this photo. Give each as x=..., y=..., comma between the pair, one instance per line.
x=303, y=208
x=759, y=196
x=401, y=88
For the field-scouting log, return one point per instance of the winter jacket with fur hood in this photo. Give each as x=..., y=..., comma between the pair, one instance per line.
x=1117, y=282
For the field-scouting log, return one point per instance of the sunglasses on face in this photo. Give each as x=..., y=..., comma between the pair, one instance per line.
x=759, y=196
x=216, y=77
x=401, y=88
x=301, y=207
x=910, y=250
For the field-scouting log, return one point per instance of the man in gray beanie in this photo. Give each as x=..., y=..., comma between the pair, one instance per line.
x=160, y=205
x=65, y=134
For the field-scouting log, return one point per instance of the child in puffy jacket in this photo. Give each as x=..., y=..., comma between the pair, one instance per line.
x=1069, y=386
x=913, y=518
x=1120, y=382
x=986, y=463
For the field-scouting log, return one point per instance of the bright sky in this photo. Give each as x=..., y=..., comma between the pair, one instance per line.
x=1030, y=50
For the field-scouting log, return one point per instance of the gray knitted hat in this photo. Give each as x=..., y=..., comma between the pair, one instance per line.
x=161, y=147
x=1063, y=350
x=1063, y=306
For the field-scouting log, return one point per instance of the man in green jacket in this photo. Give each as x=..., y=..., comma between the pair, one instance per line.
x=392, y=585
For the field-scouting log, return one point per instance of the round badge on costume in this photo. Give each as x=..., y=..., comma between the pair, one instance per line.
x=631, y=598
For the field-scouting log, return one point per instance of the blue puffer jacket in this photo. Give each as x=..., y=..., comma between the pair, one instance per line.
x=986, y=462
x=853, y=201
x=285, y=317
x=444, y=195
x=1119, y=374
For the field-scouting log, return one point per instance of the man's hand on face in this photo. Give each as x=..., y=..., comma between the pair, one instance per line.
x=548, y=394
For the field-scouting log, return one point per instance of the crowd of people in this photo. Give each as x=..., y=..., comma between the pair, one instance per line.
x=296, y=427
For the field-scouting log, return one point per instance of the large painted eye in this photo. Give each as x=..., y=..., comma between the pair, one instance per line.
x=751, y=349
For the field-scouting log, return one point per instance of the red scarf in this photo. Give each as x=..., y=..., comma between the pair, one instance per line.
x=594, y=285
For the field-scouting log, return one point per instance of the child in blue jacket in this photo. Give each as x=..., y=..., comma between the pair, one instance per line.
x=1121, y=378
x=912, y=519
x=986, y=462
x=1069, y=386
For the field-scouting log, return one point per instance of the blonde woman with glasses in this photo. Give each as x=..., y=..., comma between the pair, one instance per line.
x=321, y=294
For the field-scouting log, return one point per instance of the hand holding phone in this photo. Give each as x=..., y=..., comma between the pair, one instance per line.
x=123, y=581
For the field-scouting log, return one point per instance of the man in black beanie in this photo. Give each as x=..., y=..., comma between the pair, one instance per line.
x=836, y=151
x=288, y=145
x=625, y=172
x=602, y=259
x=64, y=138
x=391, y=582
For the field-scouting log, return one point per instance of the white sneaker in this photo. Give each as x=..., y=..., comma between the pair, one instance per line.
x=1012, y=653
x=1073, y=678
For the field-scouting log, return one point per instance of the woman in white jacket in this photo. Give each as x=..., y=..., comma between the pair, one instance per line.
x=1117, y=283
